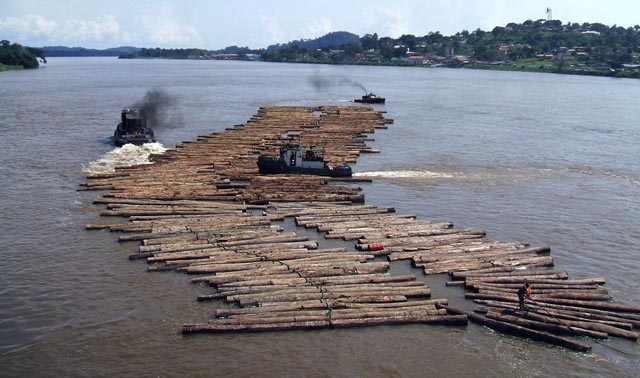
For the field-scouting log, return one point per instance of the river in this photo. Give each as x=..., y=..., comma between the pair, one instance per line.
x=548, y=159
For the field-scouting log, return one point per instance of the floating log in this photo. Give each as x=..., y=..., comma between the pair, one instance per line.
x=522, y=320
x=201, y=208
x=609, y=306
x=506, y=296
x=516, y=330
x=622, y=323
x=623, y=316
x=585, y=325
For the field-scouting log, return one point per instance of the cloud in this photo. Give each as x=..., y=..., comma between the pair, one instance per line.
x=26, y=27
x=37, y=27
x=272, y=29
x=160, y=29
x=104, y=28
x=392, y=22
x=318, y=28
x=166, y=31
x=165, y=25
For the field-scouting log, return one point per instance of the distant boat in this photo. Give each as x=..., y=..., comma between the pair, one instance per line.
x=370, y=98
x=301, y=160
x=133, y=128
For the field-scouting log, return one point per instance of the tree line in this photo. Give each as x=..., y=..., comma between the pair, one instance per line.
x=592, y=44
x=598, y=44
x=14, y=54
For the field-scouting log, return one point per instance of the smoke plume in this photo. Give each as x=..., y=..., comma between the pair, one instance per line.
x=157, y=106
x=322, y=82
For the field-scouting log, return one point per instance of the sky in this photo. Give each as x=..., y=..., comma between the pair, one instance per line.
x=215, y=24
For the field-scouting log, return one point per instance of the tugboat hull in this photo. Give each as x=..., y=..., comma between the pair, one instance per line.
x=133, y=129
x=269, y=166
x=370, y=99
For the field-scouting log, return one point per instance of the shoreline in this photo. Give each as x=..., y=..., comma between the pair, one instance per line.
x=9, y=67
x=514, y=67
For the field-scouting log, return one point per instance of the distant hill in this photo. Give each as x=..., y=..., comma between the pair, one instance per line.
x=328, y=40
x=57, y=51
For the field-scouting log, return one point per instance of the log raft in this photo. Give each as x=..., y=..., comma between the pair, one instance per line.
x=194, y=211
x=202, y=209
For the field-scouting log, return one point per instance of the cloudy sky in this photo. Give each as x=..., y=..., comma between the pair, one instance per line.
x=215, y=24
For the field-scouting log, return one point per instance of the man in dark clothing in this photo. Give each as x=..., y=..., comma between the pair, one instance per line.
x=524, y=291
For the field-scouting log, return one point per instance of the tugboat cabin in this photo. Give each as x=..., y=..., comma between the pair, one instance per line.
x=294, y=155
x=302, y=160
x=133, y=128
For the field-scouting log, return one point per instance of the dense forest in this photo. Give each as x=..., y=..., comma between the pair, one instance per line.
x=17, y=56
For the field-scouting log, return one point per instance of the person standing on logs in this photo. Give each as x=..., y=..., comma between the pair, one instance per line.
x=524, y=291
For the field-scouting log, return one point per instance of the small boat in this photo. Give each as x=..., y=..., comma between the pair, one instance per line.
x=301, y=160
x=370, y=98
x=133, y=128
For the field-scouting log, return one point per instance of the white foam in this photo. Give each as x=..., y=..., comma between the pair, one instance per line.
x=406, y=174
x=126, y=155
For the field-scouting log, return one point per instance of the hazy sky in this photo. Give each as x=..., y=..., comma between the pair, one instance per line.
x=216, y=24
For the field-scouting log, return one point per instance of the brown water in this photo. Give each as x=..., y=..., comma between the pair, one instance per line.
x=548, y=159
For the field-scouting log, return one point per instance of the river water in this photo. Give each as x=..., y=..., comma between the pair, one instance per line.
x=548, y=159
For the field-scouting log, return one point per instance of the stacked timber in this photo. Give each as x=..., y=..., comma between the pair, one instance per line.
x=282, y=280
x=492, y=271
x=209, y=168
x=298, y=188
x=193, y=211
x=434, y=247
x=558, y=305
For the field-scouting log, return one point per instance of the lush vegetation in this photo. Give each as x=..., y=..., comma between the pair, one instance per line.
x=587, y=47
x=16, y=56
x=542, y=45
x=166, y=53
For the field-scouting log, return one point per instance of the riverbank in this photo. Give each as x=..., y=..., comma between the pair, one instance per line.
x=536, y=68
x=541, y=67
x=558, y=70
x=10, y=67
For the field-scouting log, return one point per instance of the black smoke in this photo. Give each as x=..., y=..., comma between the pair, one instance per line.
x=160, y=109
x=321, y=82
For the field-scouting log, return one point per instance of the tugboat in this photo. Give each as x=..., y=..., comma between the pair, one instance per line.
x=133, y=128
x=297, y=159
x=370, y=98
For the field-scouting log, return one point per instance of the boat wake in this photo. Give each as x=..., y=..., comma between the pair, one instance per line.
x=496, y=175
x=485, y=176
x=406, y=174
x=126, y=155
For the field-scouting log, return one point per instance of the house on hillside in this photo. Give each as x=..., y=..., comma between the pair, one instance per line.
x=416, y=59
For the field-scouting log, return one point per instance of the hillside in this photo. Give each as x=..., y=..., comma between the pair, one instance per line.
x=541, y=45
x=59, y=51
x=327, y=40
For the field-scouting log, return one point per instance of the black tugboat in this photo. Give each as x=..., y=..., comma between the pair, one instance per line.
x=297, y=159
x=133, y=128
x=370, y=98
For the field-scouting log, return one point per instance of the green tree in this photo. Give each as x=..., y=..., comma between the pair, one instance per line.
x=16, y=55
x=408, y=40
x=369, y=41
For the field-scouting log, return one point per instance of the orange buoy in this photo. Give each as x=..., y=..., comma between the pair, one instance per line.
x=375, y=246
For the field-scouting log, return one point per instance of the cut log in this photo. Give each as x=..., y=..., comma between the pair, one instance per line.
x=528, y=333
